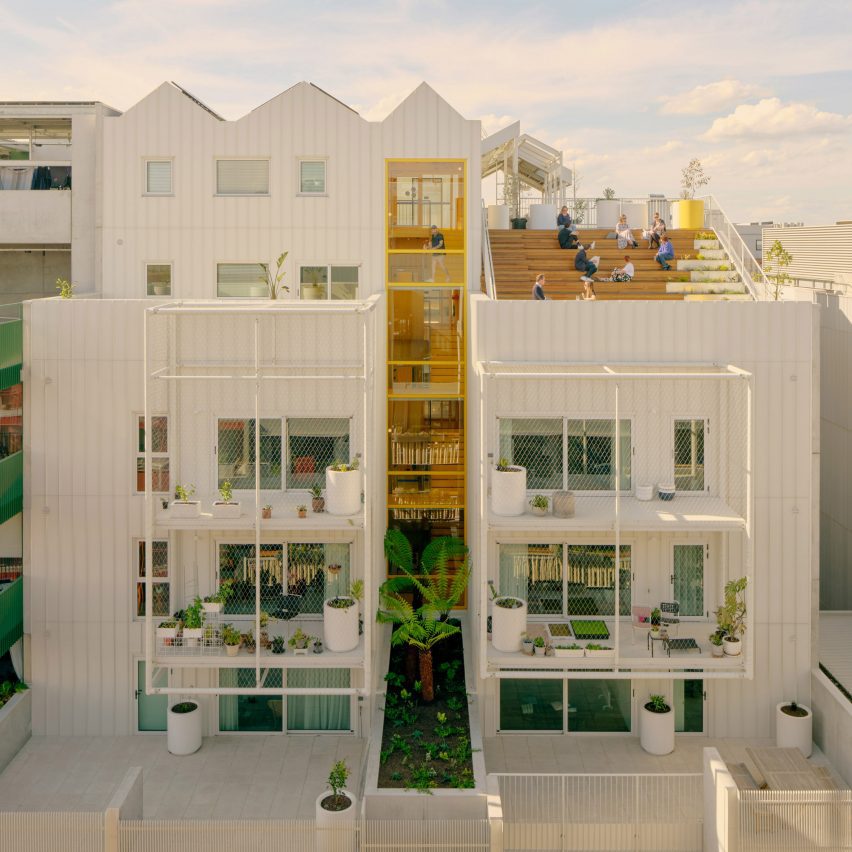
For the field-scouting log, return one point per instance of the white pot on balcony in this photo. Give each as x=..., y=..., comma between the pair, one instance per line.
x=342, y=491
x=226, y=510
x=508, y=623
x=794, y=731
x=340, y=624
x=657, y=731
x=167, y=635
x=336, y=829
x=184, y=728
x=732, y=645
x=192, y=636
x=211, y=606
x=509, y=491
x=185, y=509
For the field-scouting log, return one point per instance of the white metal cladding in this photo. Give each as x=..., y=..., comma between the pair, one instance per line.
x=776, y=343
x=820, y=253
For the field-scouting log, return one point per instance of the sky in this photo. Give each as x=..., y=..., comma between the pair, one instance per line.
x=759, y=90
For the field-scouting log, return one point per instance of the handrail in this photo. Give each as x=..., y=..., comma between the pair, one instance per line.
x=487, y=260
x=754, y=278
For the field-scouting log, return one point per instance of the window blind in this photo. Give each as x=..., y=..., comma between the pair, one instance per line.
x=242, y=177
x=312, y=176
x=158, y=179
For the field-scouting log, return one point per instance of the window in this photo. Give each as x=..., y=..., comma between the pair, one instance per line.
x=236, y=453
x=161, y=591
x=159, y=454
x=689, y=454
x=758, y=246
x=328, y=282
x=158, y=279
x=158, y=177
x=312, y=445
x=312, y=177
x=241, y=280
x=591, y=455
x=536, y=444
x=242, y=177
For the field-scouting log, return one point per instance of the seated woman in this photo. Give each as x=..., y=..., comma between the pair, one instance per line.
x=563, y=220
x=656, y=231
x=588, y=293
x=624, y=234
x=624, y=273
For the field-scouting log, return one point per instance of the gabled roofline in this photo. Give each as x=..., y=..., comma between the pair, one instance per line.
x=294, y=86
x=196, y=101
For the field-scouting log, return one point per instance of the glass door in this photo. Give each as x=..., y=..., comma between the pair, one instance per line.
x=689, y=441
x=689, y=706
x=688, y=578
x=151, y=709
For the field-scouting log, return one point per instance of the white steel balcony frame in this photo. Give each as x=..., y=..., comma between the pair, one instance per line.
x=490, y=373
x=362, y=372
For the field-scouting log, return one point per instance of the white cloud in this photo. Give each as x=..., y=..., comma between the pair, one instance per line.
x=771, y=117
x=712, y=97
x=492, y=123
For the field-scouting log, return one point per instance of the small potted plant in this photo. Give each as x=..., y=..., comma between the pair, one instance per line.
x=527, y=646
x=539, y=646
x=299, y=642
x=539, y=505
x=302, y=511
x=343, y=488
x=167, y=631
x=226, y=507
x=335, y=812
x=278, y=645
x=340, y=619
x=730, y=616
x=264, y=633
x=232, y=639
x=183, y=507
x=508, y=489
x=266, y=512
x=794, y=727
x=656, y=615
x=248, y=640
x=215, y=602
x=317, y=646
x=572, y=650
x=184, y=728
x=657, y=726
x=716, y=638
x=595, y=650
x=317, y=500
x=192, y=624
x=508, y=621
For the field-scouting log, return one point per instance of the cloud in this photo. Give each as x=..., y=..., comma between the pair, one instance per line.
x=771, y=117
x=712, y=97
x=491, y=123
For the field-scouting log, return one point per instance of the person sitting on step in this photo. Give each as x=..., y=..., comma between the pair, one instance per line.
x=624, y=234
x=656, y=231
x=588, y=293
x=567, y=238
x=563, y=220
x=583, y=264
x=666, y=253
x=538, y=288
x=624, y=273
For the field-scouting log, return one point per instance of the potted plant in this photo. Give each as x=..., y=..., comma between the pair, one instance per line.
x=539, y=505
x=215, y=602
x=657, y=726
x=730, y=616
x=167, y=631
x=192, y=629
x=248, y=640
x=183, y=507
x=299, y=642
x=335, y=813
x=508, y=621
x=508, y=489
x=716, y=638
x=572, y=650
x=539, y=646
x=302, y=511
x=343, y=488
x=689, y=212
x=184, y=728
x=595, y=650
x=794, y=726
x=264, y=634
x=317, y=500
x=340, y=619
x=266, y=512
x=226, y=507
x=655, y=620
x=527, y=645
x=277, y=645
x=317, y=645
x=232, y=639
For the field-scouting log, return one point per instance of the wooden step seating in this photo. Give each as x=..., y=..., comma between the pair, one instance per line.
x=520, y=255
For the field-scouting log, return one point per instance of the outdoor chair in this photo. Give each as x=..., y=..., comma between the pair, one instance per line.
x=641, y=620
x=669, y=616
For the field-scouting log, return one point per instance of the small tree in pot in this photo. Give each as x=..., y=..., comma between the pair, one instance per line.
x=730, y=616
x=335, y=813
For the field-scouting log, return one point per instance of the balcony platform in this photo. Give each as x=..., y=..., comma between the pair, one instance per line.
x=697, y=512
x=211, y=658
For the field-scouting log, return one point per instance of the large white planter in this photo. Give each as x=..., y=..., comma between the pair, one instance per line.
x=184, y=730
x=188, y=509
x=608, y=212
x=732, y=648
x=508, y=625
x=657, y=731
x=342, y=491
x=340, y=627
x=336, y=829
x=226, y=510
x=542, y=217
x=509, y=491
x=498, y=217
x=794, y=731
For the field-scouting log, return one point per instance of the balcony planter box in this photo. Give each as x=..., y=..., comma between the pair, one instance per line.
x=167, y=635
x=184, y=728
x=509, y=491
x=187, y=509
x=211, y=607
x=342, y=491
x=568, y=652
x=657, y=731
x=340, y=624
x=508, y=624
x=600, y=653
x=226, y=510
x=733, y=646
x=192, y=636
x=794, y=731
x=336, y=829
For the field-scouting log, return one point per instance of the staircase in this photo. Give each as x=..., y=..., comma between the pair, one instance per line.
x=519, y=255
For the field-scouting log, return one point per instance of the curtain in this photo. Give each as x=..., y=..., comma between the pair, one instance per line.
x=336, y=554
x=513, y=578
x=318, y=712
x=229, y=704
x=16, y=177
x=16, y=652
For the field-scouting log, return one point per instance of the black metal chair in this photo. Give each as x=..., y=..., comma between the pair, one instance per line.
x=670, y=615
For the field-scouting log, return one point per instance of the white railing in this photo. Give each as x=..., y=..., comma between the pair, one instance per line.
x=751, y=272
x=43, y=831
x=584, y=211
x=487, y=260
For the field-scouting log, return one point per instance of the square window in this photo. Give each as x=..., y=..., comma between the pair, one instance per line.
x=236, y=453
x=242, y=177
x=158, y=177
x=158, y=279
x=161, y=589
x=314, y=282
x=242, y=280
x=312, y=177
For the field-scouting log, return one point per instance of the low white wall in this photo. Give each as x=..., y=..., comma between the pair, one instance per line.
x=15, y=726
x=719, y=797
x=832, y=723
x=32, y=216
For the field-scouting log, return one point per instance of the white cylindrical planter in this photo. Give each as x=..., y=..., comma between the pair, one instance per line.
x=336, y=829
x=340, y=627
x=342, y=491
x=657, y=731
x=733, y=647
x=794, y=731
x=498, y=217
x=608, y=213
x=508, y=625
x=184, y=729
x=542, y=217
x=509, y=491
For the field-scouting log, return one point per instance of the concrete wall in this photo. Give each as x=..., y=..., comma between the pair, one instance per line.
x=36, y=216
x=32, y=273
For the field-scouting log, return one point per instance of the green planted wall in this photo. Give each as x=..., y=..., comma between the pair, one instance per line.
x=11, y=352
x=11, y=614
x=11, y=486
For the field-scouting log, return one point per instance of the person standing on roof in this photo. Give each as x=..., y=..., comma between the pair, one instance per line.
x=538, y=288
x=436, y=241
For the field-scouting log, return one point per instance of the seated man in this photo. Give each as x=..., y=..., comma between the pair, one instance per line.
x=624, y=273
x=666, y=253
x=567, y=238
x=584, y=265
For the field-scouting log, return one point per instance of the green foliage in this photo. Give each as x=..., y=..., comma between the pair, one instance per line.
x=337, y=777
x=345, y=467
x=184, y=492
x=273, y=279
x=226, y=491
x=423, y=778
x=192, y=614
x=692, y=178
x=503, y=465
x=730, y=616
x=540, y=502
x=775, y=263
x=300, y=639
x=538, y=641
x=8, y=690
x=224, y=592
x=592, y=646
x=316, y=490
x=658, y=704
x=655, y=615
x=608, y=193
x=65, y=287
x=230, y=635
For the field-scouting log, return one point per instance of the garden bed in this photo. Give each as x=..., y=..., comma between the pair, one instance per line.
x=427, y=746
